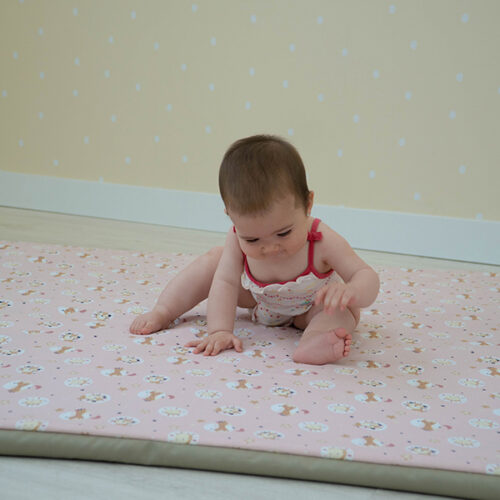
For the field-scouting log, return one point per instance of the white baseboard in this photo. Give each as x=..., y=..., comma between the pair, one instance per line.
x=424, y=235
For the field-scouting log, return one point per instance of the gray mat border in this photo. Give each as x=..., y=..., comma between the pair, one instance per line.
x=242, y=461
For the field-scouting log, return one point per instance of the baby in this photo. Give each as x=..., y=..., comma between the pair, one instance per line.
x=277, y=260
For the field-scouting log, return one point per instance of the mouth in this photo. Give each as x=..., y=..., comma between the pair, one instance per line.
x=276, y=255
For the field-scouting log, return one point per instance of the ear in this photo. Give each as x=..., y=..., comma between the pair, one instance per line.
x=310, y=202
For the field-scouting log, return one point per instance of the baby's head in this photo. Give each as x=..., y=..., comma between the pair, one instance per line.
x=258, y=171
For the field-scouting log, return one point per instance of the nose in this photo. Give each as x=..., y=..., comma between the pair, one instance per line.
x=270, y=250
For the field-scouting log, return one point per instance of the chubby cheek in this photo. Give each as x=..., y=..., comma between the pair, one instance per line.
x=246, y=248
x=296, y=244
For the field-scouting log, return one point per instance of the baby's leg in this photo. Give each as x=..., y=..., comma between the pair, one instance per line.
x=326, y=339
x=181, y=294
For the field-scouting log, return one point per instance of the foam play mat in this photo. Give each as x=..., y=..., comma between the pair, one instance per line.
x=415, y=406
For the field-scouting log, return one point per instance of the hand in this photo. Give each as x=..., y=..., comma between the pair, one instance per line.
x=215, y=343
x=335, y=295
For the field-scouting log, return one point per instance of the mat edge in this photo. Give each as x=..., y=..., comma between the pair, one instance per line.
x=242, y=461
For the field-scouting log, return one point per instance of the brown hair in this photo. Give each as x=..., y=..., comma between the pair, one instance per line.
x=258, y=170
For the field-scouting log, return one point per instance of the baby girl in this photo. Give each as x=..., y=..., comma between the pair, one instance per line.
x=288, y=267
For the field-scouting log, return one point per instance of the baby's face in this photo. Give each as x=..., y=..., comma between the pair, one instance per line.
x=278, y=233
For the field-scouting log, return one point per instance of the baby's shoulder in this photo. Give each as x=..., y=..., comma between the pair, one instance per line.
x=326, y=231
x=330, y=241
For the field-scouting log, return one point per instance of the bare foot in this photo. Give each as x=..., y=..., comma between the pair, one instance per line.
x=150, y=322
x=323, y=348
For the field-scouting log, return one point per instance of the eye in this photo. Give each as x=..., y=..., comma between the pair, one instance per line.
x=286, y=233
x=254, y=240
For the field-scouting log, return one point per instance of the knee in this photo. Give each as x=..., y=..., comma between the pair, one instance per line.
x=212, y=257
x=214, y=253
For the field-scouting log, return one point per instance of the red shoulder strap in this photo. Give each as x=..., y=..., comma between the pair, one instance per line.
x=313, y=236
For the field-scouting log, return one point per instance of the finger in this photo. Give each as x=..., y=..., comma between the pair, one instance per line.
x=347, y=298
x=214, y=349
x=193, y=343
x=320, y=295
x=331, y=300
x=223, y=345
x=336, y=301
x=201, y=346
x=208, y=349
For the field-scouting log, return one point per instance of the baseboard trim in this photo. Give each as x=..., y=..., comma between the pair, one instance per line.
x=396, y=232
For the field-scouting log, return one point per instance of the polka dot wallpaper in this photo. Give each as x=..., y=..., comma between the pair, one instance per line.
x=393, y=105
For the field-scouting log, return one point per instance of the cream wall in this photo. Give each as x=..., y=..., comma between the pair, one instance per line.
x=394, y=105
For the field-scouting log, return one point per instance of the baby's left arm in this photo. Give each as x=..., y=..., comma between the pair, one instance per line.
x=361, y=282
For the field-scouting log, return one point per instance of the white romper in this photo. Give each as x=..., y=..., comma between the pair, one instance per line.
x=279, y=303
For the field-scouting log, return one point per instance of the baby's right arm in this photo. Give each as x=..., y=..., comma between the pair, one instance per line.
x=223, y=296
x=223, y=299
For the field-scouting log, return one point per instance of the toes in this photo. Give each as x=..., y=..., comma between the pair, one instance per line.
x=134, y=328
x=140, y=329
x=343, y=335
x=147, y=329
x=347, y=345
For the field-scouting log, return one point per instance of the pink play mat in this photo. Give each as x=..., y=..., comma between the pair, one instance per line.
x=420, y=391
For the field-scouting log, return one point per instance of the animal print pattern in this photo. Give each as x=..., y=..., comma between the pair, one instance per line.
x=420, y=387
